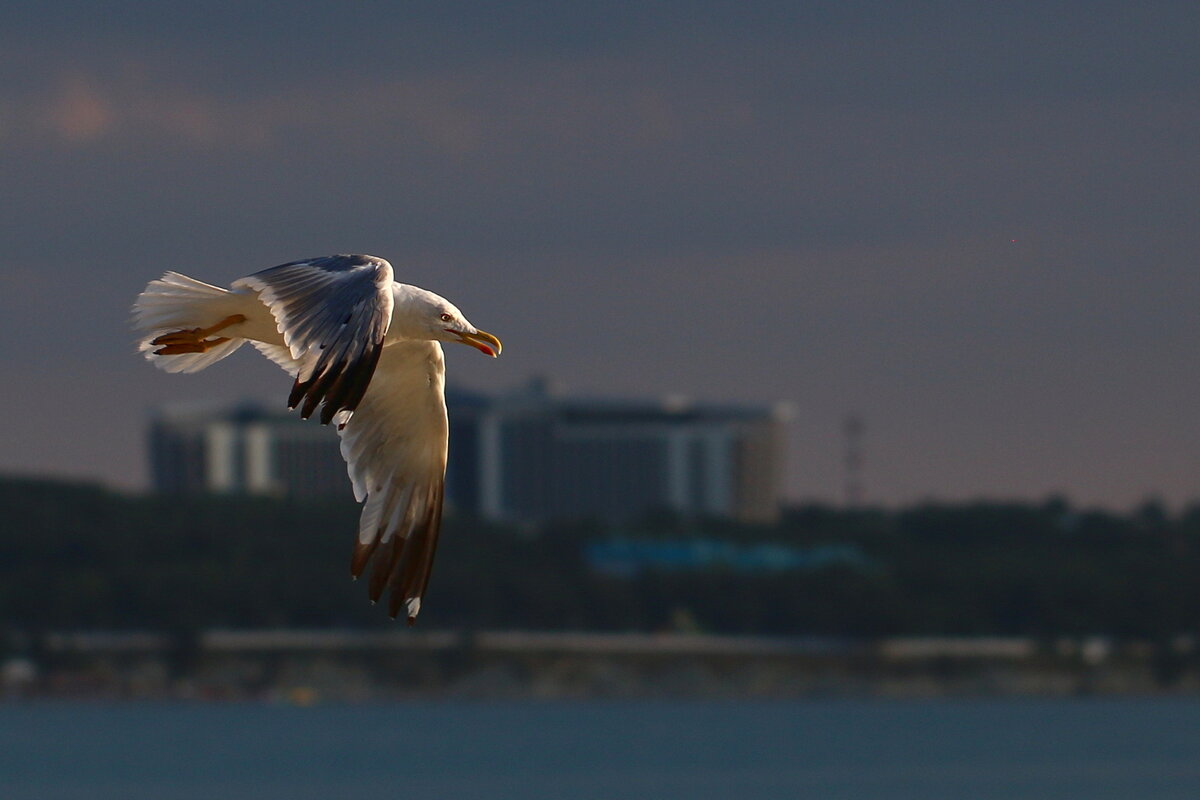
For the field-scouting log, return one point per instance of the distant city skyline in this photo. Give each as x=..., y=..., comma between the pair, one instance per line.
x=528, y=457
x=974, y=226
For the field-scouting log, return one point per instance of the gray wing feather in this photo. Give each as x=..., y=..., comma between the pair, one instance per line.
x=333, y=313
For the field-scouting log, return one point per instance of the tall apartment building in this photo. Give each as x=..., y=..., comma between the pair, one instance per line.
x=524, y=457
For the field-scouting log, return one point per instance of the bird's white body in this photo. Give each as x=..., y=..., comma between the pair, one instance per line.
x=363, y=348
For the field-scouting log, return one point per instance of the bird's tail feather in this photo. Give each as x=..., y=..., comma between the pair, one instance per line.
x=175, y=303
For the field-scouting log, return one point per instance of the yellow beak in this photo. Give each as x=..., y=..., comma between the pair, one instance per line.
x=482, y=341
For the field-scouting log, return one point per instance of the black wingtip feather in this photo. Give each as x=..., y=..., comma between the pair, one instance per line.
x=298, y=390
x=318, y=391
x=335, y=397
x=409, y=575
x=384, y=563
x=340, y=386
x=356, y=387
x=339, y=391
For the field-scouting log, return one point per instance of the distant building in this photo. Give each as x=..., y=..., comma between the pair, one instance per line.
x=525, y=457
x=243, y=450
x=532, y=456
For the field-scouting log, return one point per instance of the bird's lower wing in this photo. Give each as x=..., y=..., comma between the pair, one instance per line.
x=333, y=313
x=395, y=450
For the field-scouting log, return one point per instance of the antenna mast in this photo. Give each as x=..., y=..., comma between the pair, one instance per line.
x=852, y=429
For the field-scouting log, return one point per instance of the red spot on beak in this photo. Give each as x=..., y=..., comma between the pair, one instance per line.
x=478, y=345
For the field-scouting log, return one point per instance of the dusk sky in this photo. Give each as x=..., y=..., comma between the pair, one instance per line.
x=976, y=225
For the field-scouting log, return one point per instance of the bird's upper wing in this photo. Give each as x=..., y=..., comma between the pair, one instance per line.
x=333, y=313
x=395, y=448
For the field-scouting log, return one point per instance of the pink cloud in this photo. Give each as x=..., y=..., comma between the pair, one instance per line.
x=80, y=113
x=583, y=104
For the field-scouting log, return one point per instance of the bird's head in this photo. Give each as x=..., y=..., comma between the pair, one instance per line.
x=441, y=321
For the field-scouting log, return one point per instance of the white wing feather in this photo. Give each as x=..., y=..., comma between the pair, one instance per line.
x=395, y=450
x=280, y=355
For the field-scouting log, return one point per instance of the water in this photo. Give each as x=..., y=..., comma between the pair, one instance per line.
x=926, y=750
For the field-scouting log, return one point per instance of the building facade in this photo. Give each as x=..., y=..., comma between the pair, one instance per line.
x=526, y=457
x=245, y=449
x=531, y=456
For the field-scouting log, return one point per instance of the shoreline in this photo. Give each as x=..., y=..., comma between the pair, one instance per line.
x=304, y=667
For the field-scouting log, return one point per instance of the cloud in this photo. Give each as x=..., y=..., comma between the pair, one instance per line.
x=585, y=105
x=79, y=113
x=80, y=110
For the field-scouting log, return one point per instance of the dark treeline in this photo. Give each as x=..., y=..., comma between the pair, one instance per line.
x=79, y=557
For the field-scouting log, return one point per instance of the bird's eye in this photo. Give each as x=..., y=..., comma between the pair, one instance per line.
x=446, y=317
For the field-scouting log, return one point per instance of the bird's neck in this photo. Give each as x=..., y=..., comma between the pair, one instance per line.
x=410, y=308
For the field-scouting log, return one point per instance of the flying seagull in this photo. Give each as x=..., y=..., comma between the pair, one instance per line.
x=367, y=351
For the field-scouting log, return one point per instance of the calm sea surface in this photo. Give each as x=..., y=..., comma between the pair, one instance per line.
x=925, y=750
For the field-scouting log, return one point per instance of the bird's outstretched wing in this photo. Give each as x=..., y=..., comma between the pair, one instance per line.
x=333, y=313
x=395, y=448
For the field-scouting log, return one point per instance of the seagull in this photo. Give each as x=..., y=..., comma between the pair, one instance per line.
x=367, y=351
